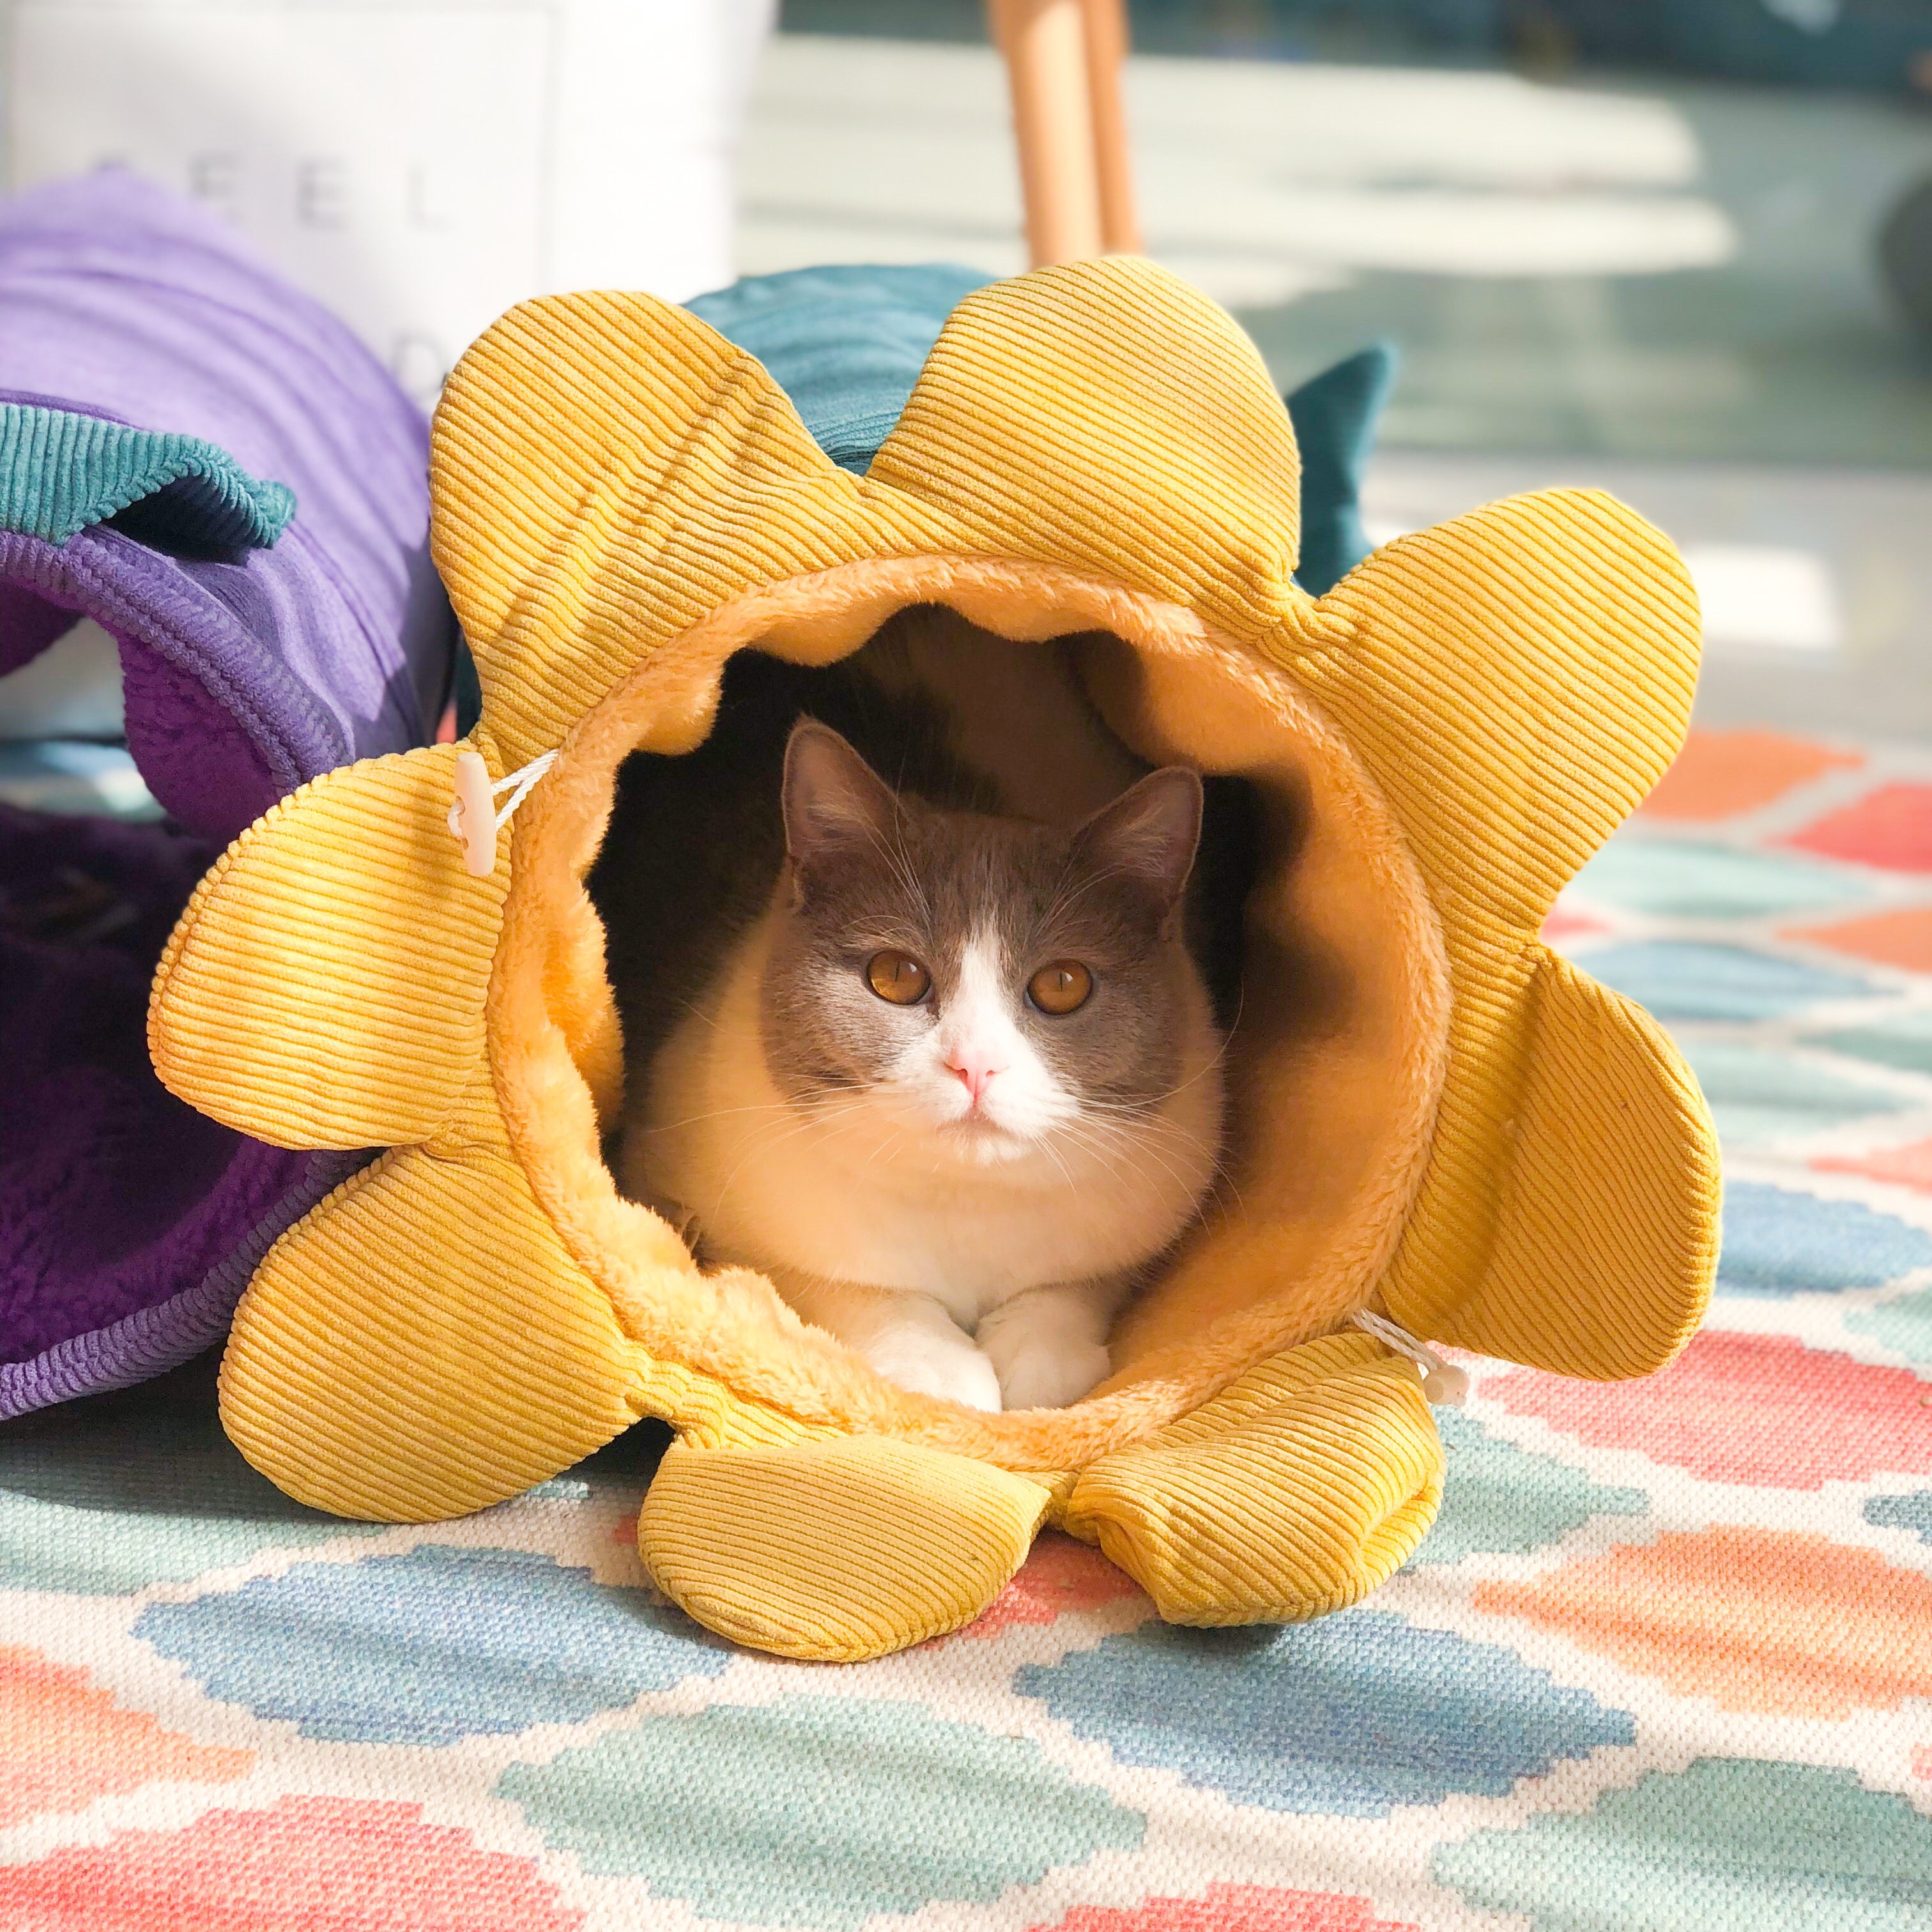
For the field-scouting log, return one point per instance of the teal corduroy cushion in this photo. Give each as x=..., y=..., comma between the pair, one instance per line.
x=847, y=344
x=61, y=472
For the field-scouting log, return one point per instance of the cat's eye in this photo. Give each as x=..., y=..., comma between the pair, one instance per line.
x=899, y=977
x=1062, y=987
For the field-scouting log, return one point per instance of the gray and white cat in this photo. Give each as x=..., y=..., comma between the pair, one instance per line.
x=953, y=1079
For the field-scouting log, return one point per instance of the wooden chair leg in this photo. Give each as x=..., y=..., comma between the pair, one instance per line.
x=1106, y=56
x=1045, y=45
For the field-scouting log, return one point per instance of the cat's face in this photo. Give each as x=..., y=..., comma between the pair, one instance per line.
x=969, y=990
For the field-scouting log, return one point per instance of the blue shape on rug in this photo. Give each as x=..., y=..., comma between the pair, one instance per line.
x=1905, y=1324
x=1500, y=1498
x=98, y=1504
x=1912, y=1512
x=1755, y=1094
x=818, y=1811
x=1686, y=980
x=430, y=1648
x=1778, y=1242
x=1666, y=876
x=1904, y=1042
x=1730, y=1845
x=1352, y=1716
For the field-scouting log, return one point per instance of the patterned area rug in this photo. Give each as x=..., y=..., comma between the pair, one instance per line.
x=1664, y=1663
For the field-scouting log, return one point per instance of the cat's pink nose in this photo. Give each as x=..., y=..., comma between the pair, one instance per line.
x=975, y=1069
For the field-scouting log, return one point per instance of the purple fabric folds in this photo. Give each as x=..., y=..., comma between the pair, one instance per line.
x=129, y=1223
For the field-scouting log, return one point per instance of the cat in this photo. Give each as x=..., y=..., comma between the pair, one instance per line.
x=959, y=1182
x=956, y=1087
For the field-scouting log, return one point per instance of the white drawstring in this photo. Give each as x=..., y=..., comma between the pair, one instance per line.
x=1442, y=1381
x=475, y=818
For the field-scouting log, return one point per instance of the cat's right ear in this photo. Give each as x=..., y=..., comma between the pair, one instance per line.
x=1149, y=834
x=835, y=805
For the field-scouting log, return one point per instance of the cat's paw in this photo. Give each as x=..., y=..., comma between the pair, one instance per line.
x=1038, y=1371
x=930, y=1364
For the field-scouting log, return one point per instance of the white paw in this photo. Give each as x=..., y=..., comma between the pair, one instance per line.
x=1037, y=1372
x=930, y=1364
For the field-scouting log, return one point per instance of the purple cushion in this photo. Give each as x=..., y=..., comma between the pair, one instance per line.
x=128, y=1223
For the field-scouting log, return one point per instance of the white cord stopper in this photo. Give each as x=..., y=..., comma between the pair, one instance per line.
x=1443, y=1383
x=476, y=819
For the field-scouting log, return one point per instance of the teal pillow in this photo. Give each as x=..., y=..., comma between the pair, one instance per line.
x=847, y=344
x=1334, y=415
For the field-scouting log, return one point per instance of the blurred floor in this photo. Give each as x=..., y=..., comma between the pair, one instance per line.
x=1664, y=287
x=1649, y=268
x=1817, y=583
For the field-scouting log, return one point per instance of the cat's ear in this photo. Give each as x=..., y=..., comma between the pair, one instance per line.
x=834, y=803
x=1149, y=833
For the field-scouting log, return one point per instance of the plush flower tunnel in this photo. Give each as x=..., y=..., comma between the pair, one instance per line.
x=1434, y=1118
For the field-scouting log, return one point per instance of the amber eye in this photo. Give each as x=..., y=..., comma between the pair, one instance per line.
x=1060, y=987
x=899, y=977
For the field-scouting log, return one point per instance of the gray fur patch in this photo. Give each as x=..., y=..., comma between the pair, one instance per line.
x=895, y=873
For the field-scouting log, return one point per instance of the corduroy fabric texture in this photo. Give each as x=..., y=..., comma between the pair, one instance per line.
x=61, y=472
x=845, y=342
x=621, y=499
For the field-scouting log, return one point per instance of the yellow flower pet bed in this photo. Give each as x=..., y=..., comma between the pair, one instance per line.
x=1446, y=1124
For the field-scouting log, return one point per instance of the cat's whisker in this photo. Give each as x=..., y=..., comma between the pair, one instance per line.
x=788, y=1111
x=1139, y=1153
x=799, y=1124
x=1062, y=903
x=879, y=1146
x=891, y=847
x=697, y=1012
x=1135, y=1147
x=1150, y=1132
x=1153, y=1101
x=1045, y=1143
x=716, y=1114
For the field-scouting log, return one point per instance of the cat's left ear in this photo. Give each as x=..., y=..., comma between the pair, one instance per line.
x=834, y=803
x=1149, y=833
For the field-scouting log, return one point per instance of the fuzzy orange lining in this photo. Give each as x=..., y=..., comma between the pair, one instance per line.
x=1335, y=1064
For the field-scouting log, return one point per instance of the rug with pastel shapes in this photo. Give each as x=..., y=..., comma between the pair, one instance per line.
x=1664, y=1662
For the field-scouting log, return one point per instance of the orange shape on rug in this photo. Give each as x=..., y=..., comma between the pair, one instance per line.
x=1232, y=1908
x=1891, y=827
x=1564, y=922
x=1719, y=774
x=1903, y=938
x=305, y=1864
x=1777, y=1620
x=1733, y=1408
x=1059, y=1577
x=63, y=1744
x=1909, y=1166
